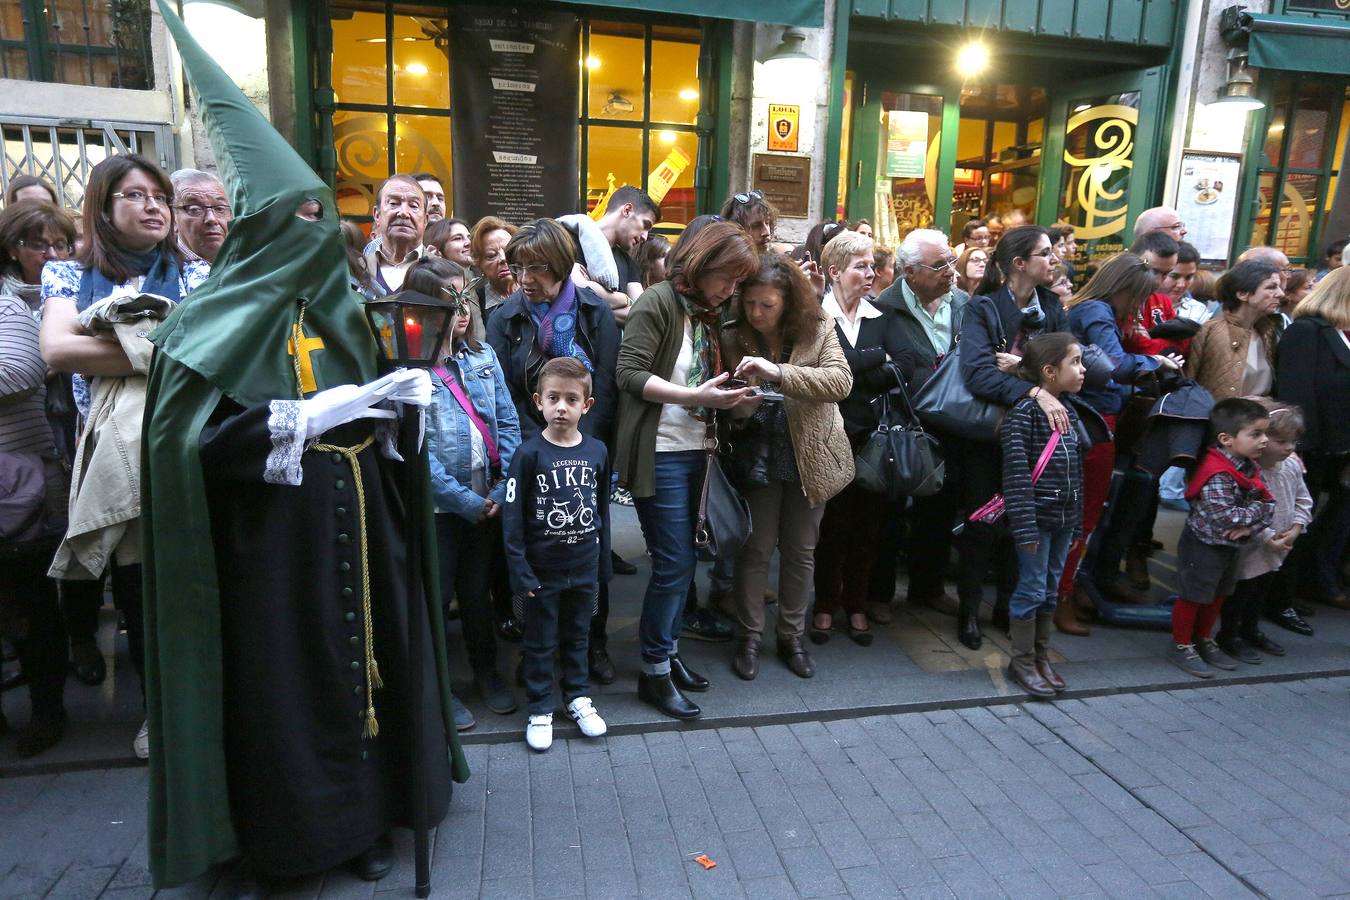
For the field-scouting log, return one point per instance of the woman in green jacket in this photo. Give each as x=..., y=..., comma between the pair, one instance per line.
x=668, y=391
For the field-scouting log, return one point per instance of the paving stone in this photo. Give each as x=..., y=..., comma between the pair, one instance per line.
x=812, y=873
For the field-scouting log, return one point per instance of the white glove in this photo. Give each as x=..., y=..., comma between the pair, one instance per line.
x=349, y=402
x=410, y=386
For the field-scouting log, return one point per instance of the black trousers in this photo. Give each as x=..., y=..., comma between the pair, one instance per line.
x=979, y=545
x=465, y=550
x=889, y=542
x=558, y=617
x=1242, y=611
x=30, y=616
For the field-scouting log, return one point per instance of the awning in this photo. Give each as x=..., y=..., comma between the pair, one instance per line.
x=1298, y=44
x=805, y=13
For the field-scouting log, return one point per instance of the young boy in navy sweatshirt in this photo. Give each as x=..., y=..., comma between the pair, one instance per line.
x=557, y=552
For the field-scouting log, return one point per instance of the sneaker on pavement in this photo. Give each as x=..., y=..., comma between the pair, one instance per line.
x=1185, y=658
x=704, y=626
x=587, y=719
x=539, y=733
x=621, y=497
x=141, y=745
x=1212, y=654
x=496, y=694
x=464, y=719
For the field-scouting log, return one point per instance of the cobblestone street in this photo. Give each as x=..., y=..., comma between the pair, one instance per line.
x=1223, y=791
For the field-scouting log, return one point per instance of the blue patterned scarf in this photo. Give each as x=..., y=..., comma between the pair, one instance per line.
x=555, y=325
x=161, y=278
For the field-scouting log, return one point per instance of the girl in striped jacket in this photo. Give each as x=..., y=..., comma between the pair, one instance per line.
x=1045, y=510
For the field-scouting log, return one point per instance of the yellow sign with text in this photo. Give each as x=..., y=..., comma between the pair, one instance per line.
x=784, y=122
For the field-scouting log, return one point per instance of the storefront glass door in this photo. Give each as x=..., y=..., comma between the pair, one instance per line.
x=1101, y=159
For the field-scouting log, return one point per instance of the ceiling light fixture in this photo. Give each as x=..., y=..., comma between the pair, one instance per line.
x=973, y=58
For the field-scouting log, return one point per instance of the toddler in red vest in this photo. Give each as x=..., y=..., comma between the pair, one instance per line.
x=1229, y=503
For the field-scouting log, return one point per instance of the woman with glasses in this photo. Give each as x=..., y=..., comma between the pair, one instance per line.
x=970, y=266
x=1100, y=315
x=870, y=340
x=1013, y=303
x=32, y=232
x=129, y=248
x=487, y=246
x=472, y=431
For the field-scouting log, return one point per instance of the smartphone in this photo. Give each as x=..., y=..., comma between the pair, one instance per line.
x=733, y=384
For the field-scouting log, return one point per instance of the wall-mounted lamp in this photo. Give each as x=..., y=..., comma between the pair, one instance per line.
x=789, y=68
x=1239, y=92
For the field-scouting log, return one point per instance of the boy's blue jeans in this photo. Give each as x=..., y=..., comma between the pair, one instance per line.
x=1038, y=573
x=558, y=616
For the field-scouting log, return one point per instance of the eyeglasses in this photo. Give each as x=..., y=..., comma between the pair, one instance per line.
x=1178, y=226
x=949, y=263
x=1046, y=253
x=61, y=247
x=536, y=270
x=141, y=197
x=198, y=211
x=747, y=196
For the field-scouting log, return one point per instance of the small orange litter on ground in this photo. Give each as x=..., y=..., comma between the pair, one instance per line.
x=706, y=863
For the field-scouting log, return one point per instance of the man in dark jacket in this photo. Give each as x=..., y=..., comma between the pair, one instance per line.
x=926, y=309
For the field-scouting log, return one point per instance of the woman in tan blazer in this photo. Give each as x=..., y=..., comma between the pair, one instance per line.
x=790, y=453
x=1234, y=353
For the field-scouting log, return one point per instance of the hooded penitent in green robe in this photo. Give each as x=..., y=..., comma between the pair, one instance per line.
x=225, y=350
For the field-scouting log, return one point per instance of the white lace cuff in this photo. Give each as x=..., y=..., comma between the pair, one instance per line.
x=286, y=424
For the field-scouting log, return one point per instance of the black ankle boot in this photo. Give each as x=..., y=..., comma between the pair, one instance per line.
x=685, y=678
x=375, y=863
x=660, y=691
x=968, y=630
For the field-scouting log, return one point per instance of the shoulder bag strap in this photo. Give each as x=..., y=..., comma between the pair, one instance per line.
x=1045, y=456
x=452, y=384
x=701, y=536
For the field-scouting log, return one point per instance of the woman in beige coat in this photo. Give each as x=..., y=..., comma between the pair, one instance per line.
x=1234, y=353
x=789, y=454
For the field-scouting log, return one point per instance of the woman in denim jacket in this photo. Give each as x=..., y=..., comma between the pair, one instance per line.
x=467, y=487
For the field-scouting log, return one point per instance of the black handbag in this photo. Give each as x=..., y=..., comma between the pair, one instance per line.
x=945, y=403
x=900, y=459
x=723, y=515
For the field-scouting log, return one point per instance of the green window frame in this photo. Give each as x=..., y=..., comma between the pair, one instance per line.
x=1282, y=95
x=34, y=47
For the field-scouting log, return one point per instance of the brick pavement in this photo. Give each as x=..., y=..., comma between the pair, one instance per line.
x=1220, y=791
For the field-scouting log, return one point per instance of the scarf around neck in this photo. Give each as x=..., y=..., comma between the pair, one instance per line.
x=160, y=271
x=555, y=324
x=707, y=358
x=1217, y=461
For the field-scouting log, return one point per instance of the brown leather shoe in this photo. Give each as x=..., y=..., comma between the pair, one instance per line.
x=1042, y=653
x=1066, y=617
x=793, y=652
x=1023, y=670
x=1117, y=591
x=1050, y=675
x=746, y=662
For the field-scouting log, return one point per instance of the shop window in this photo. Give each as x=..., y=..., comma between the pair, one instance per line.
x=998, y=152
x=1304, y=145
x=1099, y=145
x=105, y=43
x=641, y=93
x=391, y=78
x=908, y=144
x=637, y=108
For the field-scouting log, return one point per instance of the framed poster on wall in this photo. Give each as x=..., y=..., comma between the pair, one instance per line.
x=1207, y=196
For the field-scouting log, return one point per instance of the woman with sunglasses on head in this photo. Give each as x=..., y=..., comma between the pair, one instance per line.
x=129, y=248
x=472, y=431
x=1013, y=303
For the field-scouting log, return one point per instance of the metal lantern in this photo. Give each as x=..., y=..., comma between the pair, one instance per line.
x=409, y=327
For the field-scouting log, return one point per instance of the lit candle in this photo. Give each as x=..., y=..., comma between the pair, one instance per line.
x=413, y=329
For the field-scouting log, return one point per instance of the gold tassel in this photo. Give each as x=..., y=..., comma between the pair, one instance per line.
x=372, y=726
x=375, y=679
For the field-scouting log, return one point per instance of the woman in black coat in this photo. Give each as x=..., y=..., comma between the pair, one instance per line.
x=1013, y=303
x=1313, y=371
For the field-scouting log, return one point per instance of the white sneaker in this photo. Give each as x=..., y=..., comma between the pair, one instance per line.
x=141, y=745
x=583, y=711
x=539, y=733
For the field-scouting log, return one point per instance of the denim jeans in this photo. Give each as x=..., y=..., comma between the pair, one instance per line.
x=1038, y=574
x=465, y=552
x=558, y=617
x=668, y=517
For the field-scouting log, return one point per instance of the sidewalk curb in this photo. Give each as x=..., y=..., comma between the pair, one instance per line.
x=512, y=736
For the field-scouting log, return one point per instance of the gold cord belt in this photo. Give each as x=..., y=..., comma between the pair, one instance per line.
x=373, y=679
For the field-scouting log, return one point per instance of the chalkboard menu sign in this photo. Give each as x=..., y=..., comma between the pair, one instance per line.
x=515, y=78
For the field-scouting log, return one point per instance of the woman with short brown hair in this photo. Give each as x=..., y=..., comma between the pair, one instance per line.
x=669, y=390
x=487, y=246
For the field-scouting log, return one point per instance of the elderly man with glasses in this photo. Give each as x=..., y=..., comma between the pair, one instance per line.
x=926, y=307
x=201, y=213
